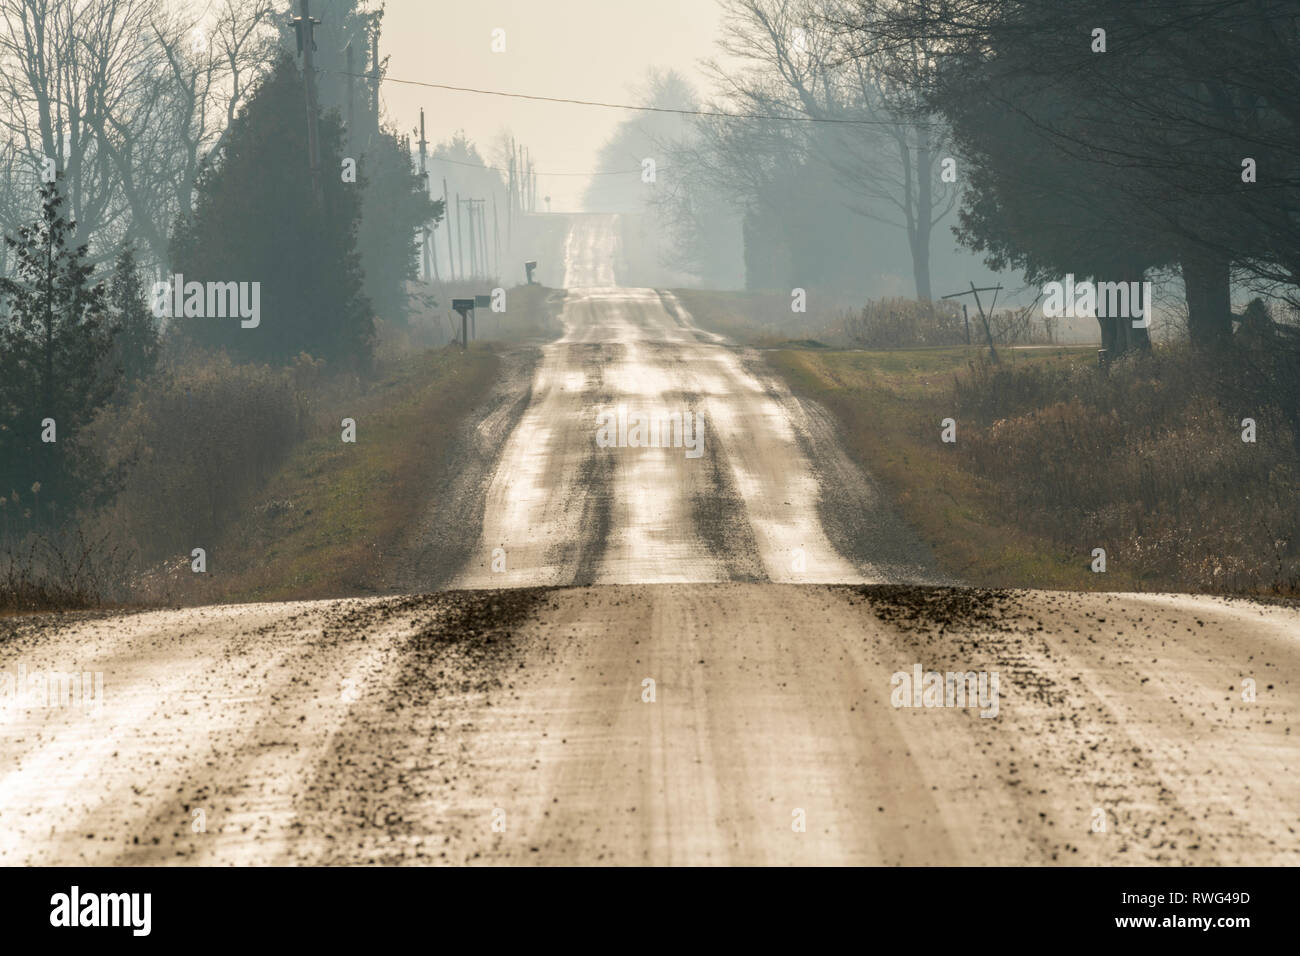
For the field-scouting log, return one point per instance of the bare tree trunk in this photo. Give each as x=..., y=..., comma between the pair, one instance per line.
x=1139, y=339
x=1206, y=278
x=1118, y=336
x=924, y=212
x=1109, y=341
x=921, y=259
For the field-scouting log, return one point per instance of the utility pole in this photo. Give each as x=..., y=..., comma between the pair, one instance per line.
x=305, y=26
x=424, y=180
x=431, y=232
x=433, y=253
x=480, y=246
x=352, y=105
x=496, y=237
x=510, y=199
x=473, y=247
x=483, y=235
x=475, y=264
x=460, y=239
x=374, y=74
x=446, y=214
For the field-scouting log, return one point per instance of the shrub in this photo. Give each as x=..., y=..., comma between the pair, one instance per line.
x=1147, y=462
x=195, y=443
x=55, y=573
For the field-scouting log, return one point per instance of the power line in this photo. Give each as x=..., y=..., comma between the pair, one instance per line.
x=628, y=106
x=594, y=172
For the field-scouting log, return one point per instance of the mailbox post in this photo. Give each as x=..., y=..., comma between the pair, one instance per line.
x=466, y=308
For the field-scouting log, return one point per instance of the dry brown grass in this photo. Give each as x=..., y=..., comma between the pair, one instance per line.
x=1054, y=459
x=59, y=571
x=329, y=522
x=1147, y=462
x=765, y=319
x=194, y=443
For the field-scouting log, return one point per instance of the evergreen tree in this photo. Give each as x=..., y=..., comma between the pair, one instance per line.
x=54, y=341
x=135, y=351
x=395, y=205
x=257, y=220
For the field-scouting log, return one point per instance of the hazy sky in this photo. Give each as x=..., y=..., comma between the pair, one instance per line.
x=581, y=49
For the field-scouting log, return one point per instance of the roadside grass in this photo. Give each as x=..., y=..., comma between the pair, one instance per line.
x=890, y=405
x=327, y=520
x=532, y=315
x=759, y=319
x=766, y=320
x=246, y=462
x=1055, y=458
x=56, y=571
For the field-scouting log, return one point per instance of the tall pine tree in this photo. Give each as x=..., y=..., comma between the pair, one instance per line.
x=135, y=350
x=55, y=336
x=394, y=205
x=256, y=220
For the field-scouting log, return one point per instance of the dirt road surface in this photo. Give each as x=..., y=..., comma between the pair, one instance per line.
x=770, y=496
x=684, y=661
x=517, y=727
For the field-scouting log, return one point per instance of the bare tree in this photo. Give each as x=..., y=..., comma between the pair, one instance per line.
x=1167, y=136
x=871, y=123
x=128, y=99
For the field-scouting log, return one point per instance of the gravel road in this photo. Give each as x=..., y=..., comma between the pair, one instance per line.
x=651, y=657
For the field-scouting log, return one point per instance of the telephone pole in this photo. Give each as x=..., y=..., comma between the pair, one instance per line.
x=510, y=201
x=519, y=178
x=446, y=215
x=352, y=103
x=424, y=179
x=473, y=242
x=532, y=183
x=374, y=74
x=496, y=237
x=305, y=26
x=460, y=239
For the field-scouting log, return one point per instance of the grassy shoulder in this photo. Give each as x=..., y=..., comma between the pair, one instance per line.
x=247, y=462
x=331, y=515
x=531, y=316
x=759, y=319
x=1055, y=458
x=890, y=405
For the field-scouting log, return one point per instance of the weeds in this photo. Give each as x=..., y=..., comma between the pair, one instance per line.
x=67, y=572
x=1147, y=462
